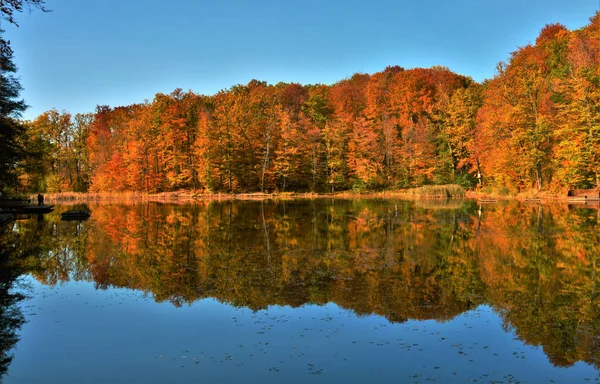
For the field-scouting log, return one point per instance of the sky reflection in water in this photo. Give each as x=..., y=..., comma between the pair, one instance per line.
x=79, y=334
x=322, y=297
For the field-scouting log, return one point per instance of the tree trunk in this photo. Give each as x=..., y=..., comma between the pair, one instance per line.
x=314, y=168
x=265, y=163
x=266, y=230
x=193, y=169
x=453, y=161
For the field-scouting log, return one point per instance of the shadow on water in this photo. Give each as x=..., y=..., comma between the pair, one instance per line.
x=534, y=265
x=11, y=317
x=11, y=294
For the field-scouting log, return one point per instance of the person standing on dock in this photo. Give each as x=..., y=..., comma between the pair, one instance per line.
x=40, y=199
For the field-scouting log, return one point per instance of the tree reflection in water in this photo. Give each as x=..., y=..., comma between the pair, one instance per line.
x=536, y=265
x=11, y=317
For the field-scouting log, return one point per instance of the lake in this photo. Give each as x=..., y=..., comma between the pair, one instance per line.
x=303, y=291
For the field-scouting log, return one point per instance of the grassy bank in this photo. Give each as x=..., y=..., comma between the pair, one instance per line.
x=425, y=192
x=436, y=191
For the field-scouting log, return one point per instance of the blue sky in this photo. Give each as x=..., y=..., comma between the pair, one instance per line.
x=119, y=52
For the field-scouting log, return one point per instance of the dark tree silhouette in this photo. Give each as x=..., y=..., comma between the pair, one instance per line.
x=9, y=7
x=11, y=106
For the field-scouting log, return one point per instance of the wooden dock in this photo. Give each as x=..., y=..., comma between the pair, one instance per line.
x=14, y=203
x=583, y=195
x=488, y=200
x=27, y=209
x=584, y=200
x=36, y=209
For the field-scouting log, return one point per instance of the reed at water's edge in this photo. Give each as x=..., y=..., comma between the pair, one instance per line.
x=436, y=191
x=431, y=191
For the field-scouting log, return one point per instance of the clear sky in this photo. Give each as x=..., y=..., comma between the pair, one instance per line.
x=119, y=52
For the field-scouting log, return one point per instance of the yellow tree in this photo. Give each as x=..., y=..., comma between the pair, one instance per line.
x=578, y=151
x=518, y=115
x=460, y=130
x=383, y=118
x=365, y=160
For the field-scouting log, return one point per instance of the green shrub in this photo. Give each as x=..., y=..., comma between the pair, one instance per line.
x=465, y=180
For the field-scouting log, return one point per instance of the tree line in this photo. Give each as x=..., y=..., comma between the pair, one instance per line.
x=534, y=125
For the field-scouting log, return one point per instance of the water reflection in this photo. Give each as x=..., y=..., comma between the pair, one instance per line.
x=11, y=317
x=535, y=265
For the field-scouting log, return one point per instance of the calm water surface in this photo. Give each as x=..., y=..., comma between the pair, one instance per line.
x=303, y=291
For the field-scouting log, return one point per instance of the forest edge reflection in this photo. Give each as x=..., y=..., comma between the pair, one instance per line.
x=534, y=265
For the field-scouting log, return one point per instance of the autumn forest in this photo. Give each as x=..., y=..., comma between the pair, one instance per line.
x=534, y=126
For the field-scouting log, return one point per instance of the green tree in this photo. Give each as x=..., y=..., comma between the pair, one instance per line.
x=11, y=106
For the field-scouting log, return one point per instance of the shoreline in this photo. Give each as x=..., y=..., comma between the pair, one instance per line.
x=183, y=195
